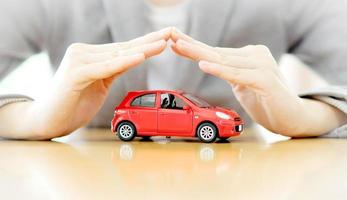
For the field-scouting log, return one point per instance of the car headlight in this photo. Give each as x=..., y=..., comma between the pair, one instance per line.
x=222, y=115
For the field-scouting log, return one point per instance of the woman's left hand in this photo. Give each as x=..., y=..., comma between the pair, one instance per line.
x=260, y=88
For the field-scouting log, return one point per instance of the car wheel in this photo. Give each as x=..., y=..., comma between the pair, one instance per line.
x=126, y=131
x=207, y=132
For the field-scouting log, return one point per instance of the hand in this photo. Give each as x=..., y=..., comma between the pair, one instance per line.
x=82, y=82
x=259, y=87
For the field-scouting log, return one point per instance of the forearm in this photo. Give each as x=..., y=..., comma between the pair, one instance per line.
x=321, y=118
x=17, y=121
x=306, y=118
x=288, y=114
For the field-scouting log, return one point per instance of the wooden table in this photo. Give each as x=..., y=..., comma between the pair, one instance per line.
x=94, y=164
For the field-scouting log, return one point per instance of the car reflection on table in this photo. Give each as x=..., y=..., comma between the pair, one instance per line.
x=145, y=162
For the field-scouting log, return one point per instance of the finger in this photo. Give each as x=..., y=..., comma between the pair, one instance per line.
x=178, y=35
x=196, y=52
x=231, y=74
x=88, y=58
x=243, y=51
x=163, y=34
x=175, y=50
x=148, y=49
x=112, y=67
x=239, y=62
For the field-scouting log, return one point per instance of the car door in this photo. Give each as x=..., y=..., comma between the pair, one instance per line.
x=143, y=113
x=172, y=118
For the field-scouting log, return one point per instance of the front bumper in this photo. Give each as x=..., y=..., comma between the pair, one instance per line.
x=228, y=129
x=113, y=125
x=112, y=128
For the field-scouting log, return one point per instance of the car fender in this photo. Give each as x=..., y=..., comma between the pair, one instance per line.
x=119, y=118
x=202, y=116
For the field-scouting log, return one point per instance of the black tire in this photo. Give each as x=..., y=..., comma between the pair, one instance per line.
x=207, y=132
x=126, y=131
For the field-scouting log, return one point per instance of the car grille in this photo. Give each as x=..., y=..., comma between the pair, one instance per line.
x=237, y=119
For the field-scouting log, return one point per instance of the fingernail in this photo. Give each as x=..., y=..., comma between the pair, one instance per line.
x=163, y=31
x=181, y=42
x=203, y=63
x=139, y=56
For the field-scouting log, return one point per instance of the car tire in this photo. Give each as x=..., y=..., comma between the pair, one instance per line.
x=126, y=131
x=207, y=132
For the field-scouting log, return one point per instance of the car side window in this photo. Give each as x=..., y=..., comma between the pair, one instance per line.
x=170, y=101
x=147, y=100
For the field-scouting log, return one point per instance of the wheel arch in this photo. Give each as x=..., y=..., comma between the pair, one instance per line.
x=205, y=121
x=128, y=122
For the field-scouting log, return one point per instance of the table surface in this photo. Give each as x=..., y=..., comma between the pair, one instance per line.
x=94, y=164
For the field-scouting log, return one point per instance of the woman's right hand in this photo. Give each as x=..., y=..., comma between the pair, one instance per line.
x=81, y=85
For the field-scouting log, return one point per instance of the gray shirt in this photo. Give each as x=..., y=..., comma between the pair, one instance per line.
x=313, y=30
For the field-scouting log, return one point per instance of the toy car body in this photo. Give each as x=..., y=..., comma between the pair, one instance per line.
x=173, y=113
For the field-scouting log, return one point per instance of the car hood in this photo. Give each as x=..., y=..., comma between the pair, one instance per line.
x=225, y=110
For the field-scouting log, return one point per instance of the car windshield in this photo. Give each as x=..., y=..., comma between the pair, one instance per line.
x=196, y=100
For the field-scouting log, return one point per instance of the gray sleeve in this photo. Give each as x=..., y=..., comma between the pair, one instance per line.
x=22, y=34
x=316, y=34
x=13, y=98
x=335, y=96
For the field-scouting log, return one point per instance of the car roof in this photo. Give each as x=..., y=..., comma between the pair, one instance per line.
x=155, y=91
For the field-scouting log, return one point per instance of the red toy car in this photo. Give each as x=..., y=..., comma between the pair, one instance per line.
x=173, y=113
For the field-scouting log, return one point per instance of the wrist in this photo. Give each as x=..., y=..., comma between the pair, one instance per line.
x=28, y=120
x=16, y=122
x=321, y=117
x=42, y=121
x=290, y=115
